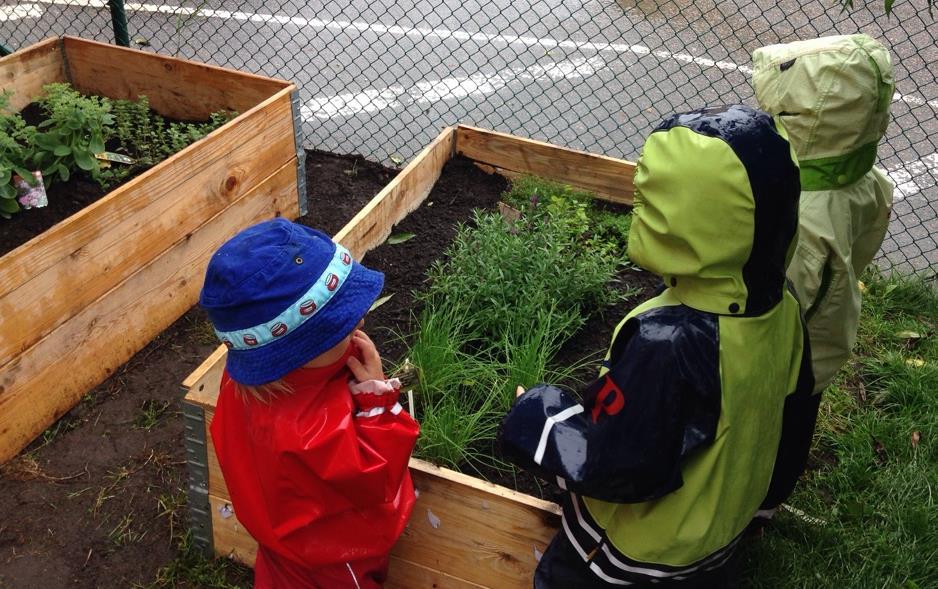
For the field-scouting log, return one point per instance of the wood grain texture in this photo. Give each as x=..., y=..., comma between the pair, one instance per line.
x=177, y=88
x=26, y=71
x=40, y=385
x=64, y=270
x=373, y=224
x=609, y=178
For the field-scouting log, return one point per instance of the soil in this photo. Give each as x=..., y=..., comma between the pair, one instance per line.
x=99, y=499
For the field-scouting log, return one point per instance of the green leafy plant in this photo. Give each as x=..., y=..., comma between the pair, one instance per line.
x=75, y=130
x=148, y=138
x=15, y=139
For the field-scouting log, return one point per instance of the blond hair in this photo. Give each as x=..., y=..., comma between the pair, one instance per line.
x=263, y=392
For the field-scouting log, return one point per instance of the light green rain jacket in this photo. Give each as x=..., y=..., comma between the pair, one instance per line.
x=833, y=96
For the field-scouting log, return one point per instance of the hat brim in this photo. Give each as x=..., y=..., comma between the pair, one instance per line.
x=320, y=333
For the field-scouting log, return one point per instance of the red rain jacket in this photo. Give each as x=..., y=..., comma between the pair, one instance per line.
x=316, y=477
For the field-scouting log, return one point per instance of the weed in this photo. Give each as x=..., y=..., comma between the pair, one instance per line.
x=151, y=412
x=124, y=533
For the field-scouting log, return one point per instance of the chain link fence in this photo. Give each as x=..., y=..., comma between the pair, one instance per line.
x=382, y=77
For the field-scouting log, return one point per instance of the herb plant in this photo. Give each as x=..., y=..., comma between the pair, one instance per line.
x=76, y=129
x=499, y=306
x=148, y=138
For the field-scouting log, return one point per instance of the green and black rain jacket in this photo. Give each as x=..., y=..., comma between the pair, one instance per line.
x=674, y=448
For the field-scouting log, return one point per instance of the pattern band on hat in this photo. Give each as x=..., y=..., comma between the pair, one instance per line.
x=312, y=301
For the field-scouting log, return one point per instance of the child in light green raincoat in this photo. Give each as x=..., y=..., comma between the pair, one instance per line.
x=833, y=96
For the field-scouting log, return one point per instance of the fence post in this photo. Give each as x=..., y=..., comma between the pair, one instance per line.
x=119, y=20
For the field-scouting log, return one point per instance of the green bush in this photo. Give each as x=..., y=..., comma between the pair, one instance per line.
x=500, y=304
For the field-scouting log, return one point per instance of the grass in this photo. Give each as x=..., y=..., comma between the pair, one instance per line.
x=873, y=473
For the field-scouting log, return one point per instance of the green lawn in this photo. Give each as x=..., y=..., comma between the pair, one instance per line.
x=866, y=513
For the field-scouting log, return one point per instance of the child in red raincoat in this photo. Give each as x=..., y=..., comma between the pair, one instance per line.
x=309, y=434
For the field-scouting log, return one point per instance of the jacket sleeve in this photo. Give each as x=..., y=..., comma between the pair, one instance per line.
x=361, y=458
x=657, y=404
x=382, y=422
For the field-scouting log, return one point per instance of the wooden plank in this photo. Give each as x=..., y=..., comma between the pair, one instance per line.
x=177, y=88
x=609, y=178
x=232, y=541
x=42, y=384
x=202, y=385
x=216, y=481
x=26, y=71
x=229, y=537
x=49, y=279
x=475, y=530
x=373, y=224
x=404, y=574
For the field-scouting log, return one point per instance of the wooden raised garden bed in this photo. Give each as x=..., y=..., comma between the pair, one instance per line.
x=464, y=532
x=80, y=299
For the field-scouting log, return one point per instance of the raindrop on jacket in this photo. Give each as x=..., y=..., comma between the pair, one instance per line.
x=833, y=96
x=675, y=446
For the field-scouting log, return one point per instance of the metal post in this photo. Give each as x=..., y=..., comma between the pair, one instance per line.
x=119, y=20
x=4, y=50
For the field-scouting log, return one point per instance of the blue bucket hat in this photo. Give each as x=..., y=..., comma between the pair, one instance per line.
x=279, y=294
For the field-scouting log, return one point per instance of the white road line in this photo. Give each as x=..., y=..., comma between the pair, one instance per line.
x=20, y=11
x=427, y=92
x=419, y=32
x=915, y=177
x=443, y=34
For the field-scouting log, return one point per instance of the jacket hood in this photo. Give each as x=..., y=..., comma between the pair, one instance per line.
x=716, y=208
x=833, y=96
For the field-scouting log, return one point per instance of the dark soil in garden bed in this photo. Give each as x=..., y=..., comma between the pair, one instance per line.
x=99, y=499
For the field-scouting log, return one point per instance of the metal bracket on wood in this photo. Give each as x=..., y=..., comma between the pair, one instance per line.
x=300, y=152
x=200, y=510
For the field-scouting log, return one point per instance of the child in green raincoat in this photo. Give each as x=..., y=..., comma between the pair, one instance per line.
x=672, y=451
x=833, y=96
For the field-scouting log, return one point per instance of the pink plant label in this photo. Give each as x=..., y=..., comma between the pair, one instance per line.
x=31, y=197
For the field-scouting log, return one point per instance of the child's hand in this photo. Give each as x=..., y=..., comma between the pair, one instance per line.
x=369, y=367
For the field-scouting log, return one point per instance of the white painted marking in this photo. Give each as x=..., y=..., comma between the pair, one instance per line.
x=427, y=92
x=545, y=43
x=912, y=178
x=20, y=11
